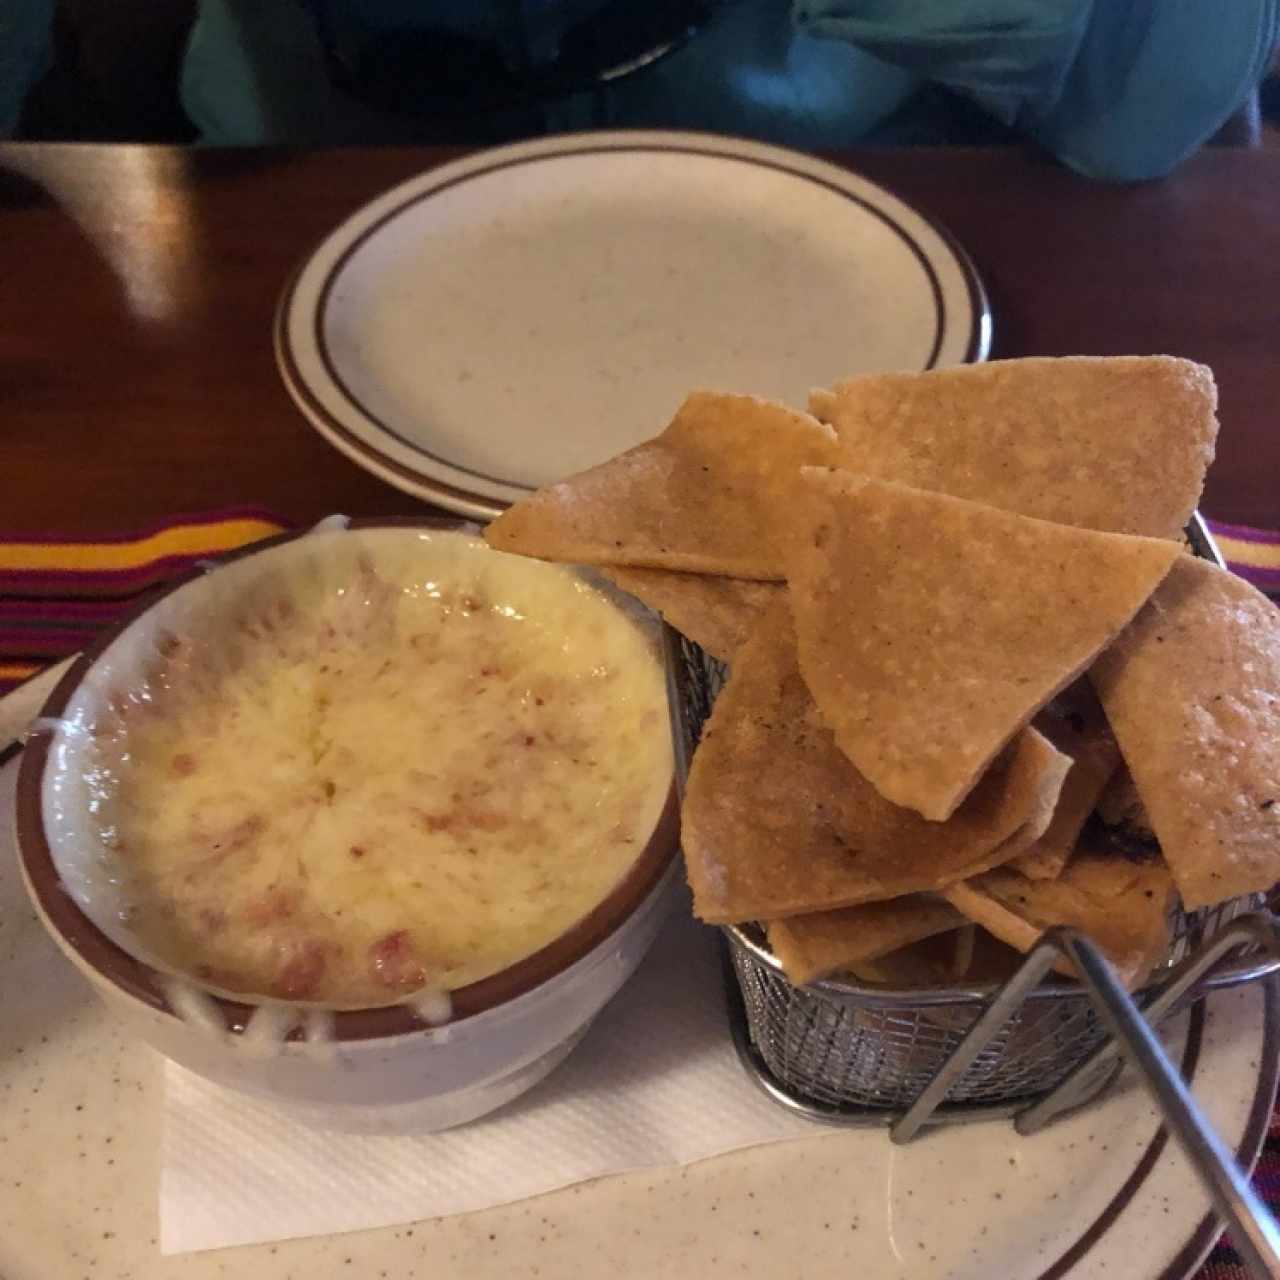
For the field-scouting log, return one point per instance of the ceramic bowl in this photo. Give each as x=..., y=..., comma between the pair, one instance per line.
x=505, y=1032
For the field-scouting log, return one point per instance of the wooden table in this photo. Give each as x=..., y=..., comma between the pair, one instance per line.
x=138, y=283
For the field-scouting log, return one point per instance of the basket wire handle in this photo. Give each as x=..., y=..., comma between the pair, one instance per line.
x=1257, y=928
x=1255, y=1232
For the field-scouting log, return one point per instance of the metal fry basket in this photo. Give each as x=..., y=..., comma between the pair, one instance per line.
x=852, y=1054
x=849, y=1054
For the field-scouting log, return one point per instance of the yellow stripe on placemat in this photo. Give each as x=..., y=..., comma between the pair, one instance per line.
x=179, y=540
x=12, y=672
x=1257, y=555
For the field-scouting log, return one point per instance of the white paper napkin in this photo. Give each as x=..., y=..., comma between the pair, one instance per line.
x=655, y=1082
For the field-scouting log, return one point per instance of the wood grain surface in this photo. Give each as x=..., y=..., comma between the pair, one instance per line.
x=138, y=284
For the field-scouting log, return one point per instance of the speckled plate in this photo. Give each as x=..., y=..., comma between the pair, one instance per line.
x=527, y=312
x=1099, y=1195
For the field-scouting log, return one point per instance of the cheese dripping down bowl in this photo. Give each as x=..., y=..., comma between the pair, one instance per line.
x=368, y=816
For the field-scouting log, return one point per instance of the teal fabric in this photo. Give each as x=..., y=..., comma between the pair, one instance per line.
x=1192, y=63
x=1118, y=89
x=1005, y=54
x=753, y=73
x=255, y=73
x=25, y=30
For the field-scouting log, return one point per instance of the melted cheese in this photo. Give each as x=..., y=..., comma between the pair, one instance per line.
x=373, y=779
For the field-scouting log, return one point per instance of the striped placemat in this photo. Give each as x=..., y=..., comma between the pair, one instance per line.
x=56, y=592
x=1253, y=553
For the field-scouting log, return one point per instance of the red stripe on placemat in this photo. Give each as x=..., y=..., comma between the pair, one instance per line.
x=87, y=612
x=47, y=614
x=34, y=643
x=106, y=584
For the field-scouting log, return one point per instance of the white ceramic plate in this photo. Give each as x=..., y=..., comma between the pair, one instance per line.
x=1099, y=1195
x=524, y=313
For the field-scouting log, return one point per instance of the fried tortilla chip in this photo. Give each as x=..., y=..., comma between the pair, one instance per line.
x=777, y=822
x=714, y=493
x=1192, y=690
x=930, y=962
x=1074, y=722
x=936, y=962
x=825, y=942
x=1122, y=906
x=716, y=613
x=932, y=629
x=1119, y=444
x=963, y=948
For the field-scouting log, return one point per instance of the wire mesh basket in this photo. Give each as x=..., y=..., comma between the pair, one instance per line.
x=849, y=1053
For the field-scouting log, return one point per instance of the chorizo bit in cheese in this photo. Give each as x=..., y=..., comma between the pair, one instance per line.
x=368, y=788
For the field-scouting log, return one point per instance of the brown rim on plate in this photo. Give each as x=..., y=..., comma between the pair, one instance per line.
x=73, y=928
x=1205, y=1235
x=361, y=451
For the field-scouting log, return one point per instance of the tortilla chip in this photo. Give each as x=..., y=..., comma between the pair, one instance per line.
x=1074, y=722
x=933, y=963
x=962, y=955
x=716, y=613
x=932, y=629
x=1119, y=444
x=714, y=493
x=825, y=942
x=1192, y=690
x=1122, y=906
x=927, y=963
x=777, y=822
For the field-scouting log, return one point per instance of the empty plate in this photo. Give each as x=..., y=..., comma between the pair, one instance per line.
x=519, y=315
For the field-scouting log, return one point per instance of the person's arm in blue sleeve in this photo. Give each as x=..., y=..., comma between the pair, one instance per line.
x=1122, y=91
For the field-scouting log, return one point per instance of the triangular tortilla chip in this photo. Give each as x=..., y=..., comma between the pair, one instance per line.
x=1192, y=690
x=932, y=629
x=716, y=613
x=825, y=942
x=1074, y=722
x=777, y=822
x=714, y=493
x=1121, y=906
x=1119, y=444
